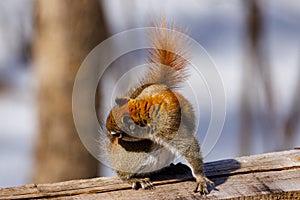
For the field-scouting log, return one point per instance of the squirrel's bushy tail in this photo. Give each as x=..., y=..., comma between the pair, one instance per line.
x=168, y=58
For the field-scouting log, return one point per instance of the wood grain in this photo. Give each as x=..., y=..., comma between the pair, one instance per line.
x=266, y=176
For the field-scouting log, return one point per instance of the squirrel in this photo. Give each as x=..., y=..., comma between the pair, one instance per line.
x=155, y=123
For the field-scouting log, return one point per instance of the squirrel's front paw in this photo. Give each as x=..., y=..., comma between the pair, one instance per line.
x=144, y=183
x=201, y=184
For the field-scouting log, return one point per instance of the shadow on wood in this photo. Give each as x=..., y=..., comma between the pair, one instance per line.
x=182, y=172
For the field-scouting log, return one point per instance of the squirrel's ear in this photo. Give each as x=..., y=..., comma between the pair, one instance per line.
x=120, y=101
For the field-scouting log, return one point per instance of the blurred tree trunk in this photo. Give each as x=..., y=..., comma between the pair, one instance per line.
x=66, y=31
x=256, y=79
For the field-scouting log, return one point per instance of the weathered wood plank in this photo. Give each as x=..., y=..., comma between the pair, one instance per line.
x=271, y=175
x=281, y=184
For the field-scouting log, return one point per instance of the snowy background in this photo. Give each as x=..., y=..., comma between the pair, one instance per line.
x=216, y=25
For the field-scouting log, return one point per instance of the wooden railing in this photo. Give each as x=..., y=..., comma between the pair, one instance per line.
x=265, y=176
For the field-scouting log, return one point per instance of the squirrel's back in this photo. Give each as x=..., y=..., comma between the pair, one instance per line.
x=167, y=70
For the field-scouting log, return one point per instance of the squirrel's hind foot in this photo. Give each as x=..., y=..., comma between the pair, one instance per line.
x=202, y=182
x=143, y=183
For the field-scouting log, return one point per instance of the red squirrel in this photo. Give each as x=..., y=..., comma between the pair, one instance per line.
x=155, y=123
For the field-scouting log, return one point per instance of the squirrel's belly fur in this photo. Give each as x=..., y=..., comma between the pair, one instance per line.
x=140, y=162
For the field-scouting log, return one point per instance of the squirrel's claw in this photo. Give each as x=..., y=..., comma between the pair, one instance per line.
x=144, y=183
x=201, y=184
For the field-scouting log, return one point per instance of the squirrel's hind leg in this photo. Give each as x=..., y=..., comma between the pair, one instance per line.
x=194, y=158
